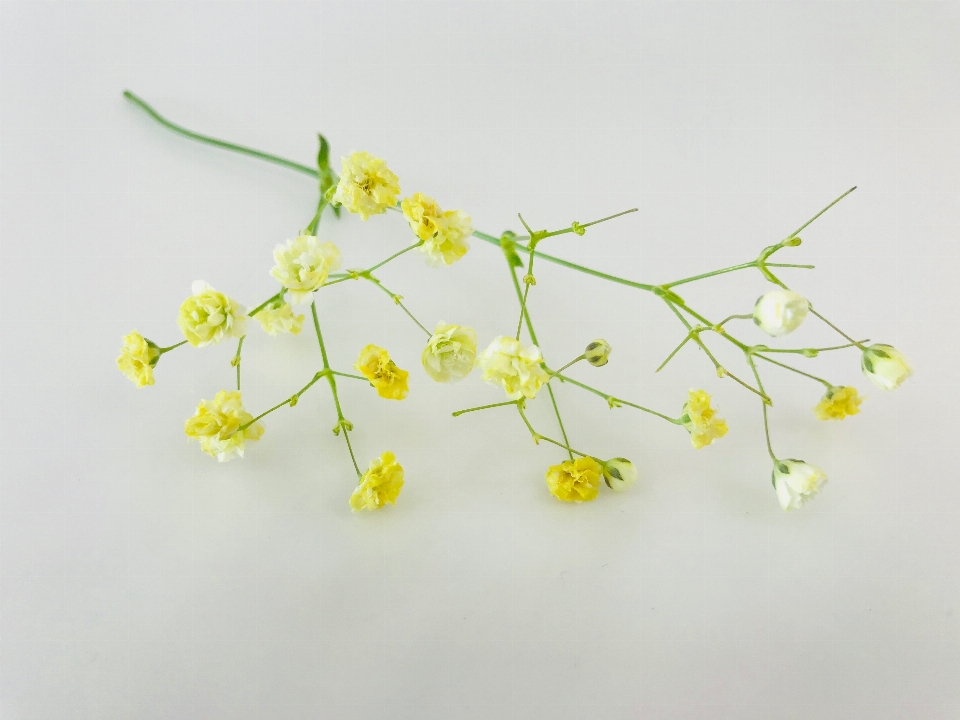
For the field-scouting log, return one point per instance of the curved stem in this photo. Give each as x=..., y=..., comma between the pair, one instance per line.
x=163, y=350
x=222, y=144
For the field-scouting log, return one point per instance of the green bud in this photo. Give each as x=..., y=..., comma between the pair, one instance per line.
x=598, y=353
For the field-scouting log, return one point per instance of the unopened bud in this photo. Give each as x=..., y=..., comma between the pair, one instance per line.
x=598, y=353
x=619, y=474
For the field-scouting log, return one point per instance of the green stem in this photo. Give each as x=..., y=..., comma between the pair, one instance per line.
x=533, y=433
x=556, y=410
x=852, y=341
x=295, y=396
x=395, y=256
x=612, y=400
x=236, y=360
x=348, y=375
x=342, y=422
x=266, y=302
x=793, y=369
x=734, y=268
x=161, y=350
x=572, y=362
x=458, y=413
x=766, y=421
x=806, y=351
x=675, y=351
x=571, y=451
x=810, y=221
x=516, y=287
x=397, y=301
x=215, y=142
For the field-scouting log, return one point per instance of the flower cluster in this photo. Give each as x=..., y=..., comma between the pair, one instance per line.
x=305, y=265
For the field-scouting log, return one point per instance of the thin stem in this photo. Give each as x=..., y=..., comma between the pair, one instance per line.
x=556, y=410
x=348, y=375
x=397, y=301
x=793, y=369
x=574, y=227
x=395, y=255
x=161, y=350
x=723, y=322
x=569, y=449
x=852, y=341
x=236, y=360
x=810, y=221
x=266, y=302
x=516, y=287
x=734, y=268
x=572, y=362
x=766, y=421
x=180, y=130
x=612, y=400
x=533, y=433
x=527, y=281
x=342, y=422
x=295, y=396
x=675, y=351
x=458, y=413
x=805, y=351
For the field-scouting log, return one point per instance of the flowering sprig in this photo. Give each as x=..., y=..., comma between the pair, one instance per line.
x=367, y=187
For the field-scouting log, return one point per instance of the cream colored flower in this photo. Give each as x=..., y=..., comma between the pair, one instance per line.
x=376, y=366
x=780, y=312
x=451, y=353
x=796, y=482
x=208, y=316
x=838, y=403
x=444, y=234
x=366, y=187
x=280, y=320
x=217, y=425
x=137, y=358
x=701, y=420
x=577, y=481
x=380, y=484
x=303, y=265
x=619, y=474
x=513, y=367
x=885, y=366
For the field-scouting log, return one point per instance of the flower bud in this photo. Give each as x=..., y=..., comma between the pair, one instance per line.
x=598, y=353
x=796, y=482
x=780, y=312
x=885, y=366
x=619, y=474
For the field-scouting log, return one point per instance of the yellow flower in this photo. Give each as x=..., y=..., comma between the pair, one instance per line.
x=207, y=316
x=451, y=353
x=838, y=403
x=701, y=420
x=137, y=358
x=444, y=234
x=380, y=484
x=366, y=187
x=513, y=367
x=303, y=265
x=376, y=366
x=576, y=481
x=217, y=426
x=280, y=320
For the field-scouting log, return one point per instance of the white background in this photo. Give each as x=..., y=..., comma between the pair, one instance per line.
x=141, y=579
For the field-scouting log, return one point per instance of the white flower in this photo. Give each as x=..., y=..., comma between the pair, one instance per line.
x=619, y=474
x=451, y=353
x=303, y=265
x=513, y=367
x=885, y=366
x=796, y=482
x=780, y=312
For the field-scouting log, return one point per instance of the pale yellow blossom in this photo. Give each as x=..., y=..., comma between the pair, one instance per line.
x=208, y=316
x=375, y=364
x=280, y=320
x=619, y=474
x=303, y=265
x=367, y=186
x=444, y=233
x=701, y=420
x=796, y=482
x=380, y=484
x=885, y=366
x=576, y=481
x=450, y=353
x=515, y=368
x=838, y=403
x=137, y=358
x=217, y=425
x=598, y=352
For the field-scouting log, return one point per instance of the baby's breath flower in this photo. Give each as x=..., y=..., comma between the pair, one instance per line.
x=376, y=366
x=366, y=187
x=885, y=366
x=575, y=481
x=380, y=484
x=619, y=474
x=137, y=358
x=796, y=482
x=513, y=367
x=701, y=420
x=208, y=316
x=444, y=234
x=598, y=353
x=217, y=426
x=451, y=352
x=780, y=312
x=280, y=320
x=303, y=265
x=838, y=403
